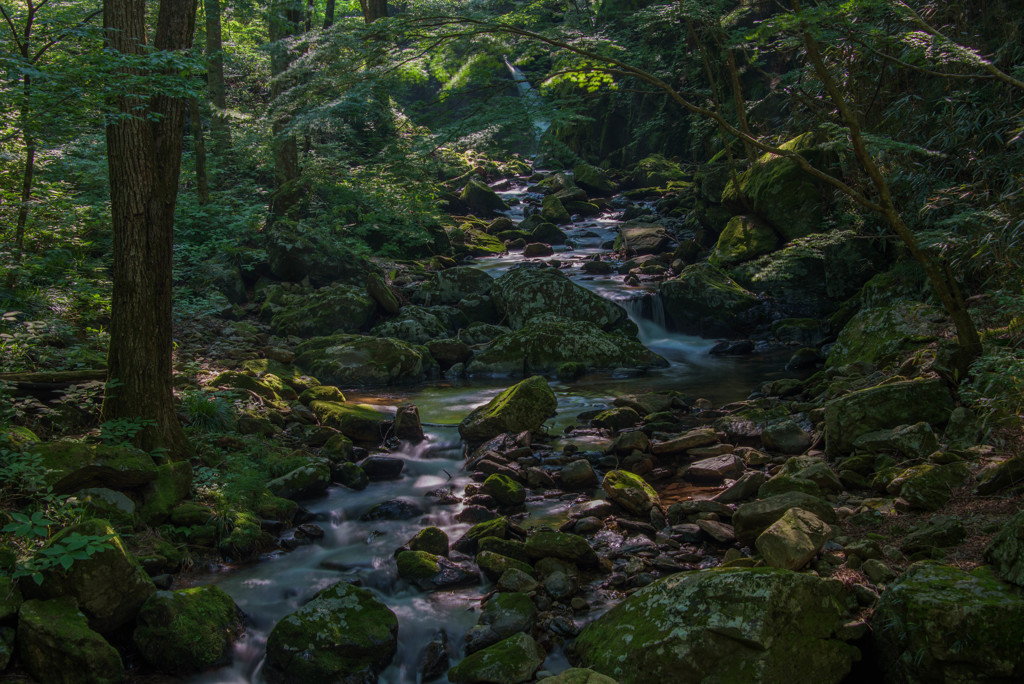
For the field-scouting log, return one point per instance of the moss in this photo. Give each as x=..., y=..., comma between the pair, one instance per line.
x=494, y=564
x=505, y=547
x=704, y=291
x=246, y=539
x=359, y=422
x=505, y=490
x=561, y=545
x=514, y=659
x=524, y=406
x=742, y=239
x=359, y=360
x=552, y=210
x=188, y=630
x=433, y=540
x=71, y=466
x=172, y=484
x=56, y=644
x=17, y=437
x=417, y=565
x=332, y=309
x=883, y=335
x=480, y=198
x=528, y=291
x=629, y=491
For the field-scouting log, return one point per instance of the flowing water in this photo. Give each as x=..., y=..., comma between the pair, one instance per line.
x=354, y=550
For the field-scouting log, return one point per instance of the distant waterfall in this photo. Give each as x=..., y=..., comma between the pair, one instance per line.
x=532, y=98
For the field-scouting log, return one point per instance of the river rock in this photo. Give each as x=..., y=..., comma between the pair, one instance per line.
x=303, y=482
x=615, y=419
x=690, y=440
x=884, y=406
x=630, y=491
x=70, y=466
x=511, y=661
x=744, y=488
x=109, y=586
x=524, y=406
x=593, y=180
x=528, y=290
x=578, y=474
x=927, y=487
x=750, y=519
x=469, y=543
x=394, y=509
x=313, y=254
x=452, y=285
x=359, y=422
x=364, y=361
x=793, y=540
x=743, y=238
x=654, y=170
x=940, y=624
x=715, y=469
x=433, y=540
x=579, y=675
x=728, y=625
x=429, y=572
x=189, y=630
x=337, y=308
x=561, y=545
x=56, y=644
x=721, y=532
x=504, y=615
x=494, y=565
x=703, y=299
x=380, y=293
x=344, y=634
x=413, y=324
x=506, y=491
x=638, y=238
x=914, y=442
x=481, y=199
x=350, y=475
x=786, y=437
x=553, y=210
x=885, y=334
x=379, y=468
x=547, y=343
x=939, y=531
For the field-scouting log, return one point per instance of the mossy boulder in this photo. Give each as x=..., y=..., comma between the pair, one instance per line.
x=548, y=233
x=494, y=564
x=110, y=586
x=337, y=308
x=172, y=484
x=504, y=490
x=655, y=171
x=927, y=486
x=553, y=211
x=529, y=290
x=344, y=634
x=505, y=614
x=793, y=540
x=884, y=335
x=940, y=624
x=750, y=519
x=452, y=285
x=413, y=324
x=469, y=542
x=593, y=180
x=430, y=572
x=580, y=675
x=382, y=294
x=743, y=238
x=321, y=393
x=639, y=237
x=705, y=300
x=547, y=343
x=189, y=630
x=433, y=540
x=357, y=360
x=318, y=255
x=70, y=466
x=359, y=422
x=481, y=199
x=630, y=491
x=56, y=645
x=524, y=406
x=470, y=241
x=884, y=406
x=726, y=625
x=304, y=482
x=561, y=545
x=511, y=661
x=777, y=190
x=17, y=438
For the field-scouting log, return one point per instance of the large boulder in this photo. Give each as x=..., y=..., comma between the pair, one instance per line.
x=793, y=540
x=357, y=360
x=562, y=545
x=940, y=624
x=344, y=634
x=413, y=324
x=452, y=285
x=56, y=645
x=481, y=199
x=547, y=342
x=744, y=238
x=884, y=406
x=110, y=586
x=188, y=630
x=524, y=406
x=593, y=180
x=630, y=491
x=505, y=614
x=336, y=308
x=704, y=300
x=883, y=335
x=777, y=190
x=358, y=422
x=70, y=466
x=295, y=254
x=511, y=661
x=752, y=518
x=655, y=171
x=530, y=290
x=639, y=237
x=724, y=625
x=429, y=572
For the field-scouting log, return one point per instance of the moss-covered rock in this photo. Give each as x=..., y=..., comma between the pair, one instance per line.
x=553, y=211
x=469, y=542
x=337, y=308
x=172, y=484
x=474, y=242
x=505, y=490
x=530, y=290
x=70, y=466
x=481, y=199
x=494, y=565
x=304, y=482
x=793, y=540
x=357, y=360
x=940, y=624
x=580, y=675
x=17, y=438
x=524, y=406
x=561, y=545
x=189, y=630
x=655, y=171
x=546, y=343
x=630, y=491
x=413, y=324
x=320, y=256
x=548, y=233
x=56, y=645
x=344, y=634
x=110, y=586
x=433, y=540
x=927, y=486
x=750, y=519
x=727, y=625
x=593, y=180
x=884, y=406
x=359, y=422
x=743, y=238
x=452, y=285
x=703, y=299
x=321, y=393
x=777, y=190
x=10, y=597
x=639, y=237
x=511, y=661
x=883, y=335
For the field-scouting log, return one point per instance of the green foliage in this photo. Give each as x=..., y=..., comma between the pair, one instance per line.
x=207, y=412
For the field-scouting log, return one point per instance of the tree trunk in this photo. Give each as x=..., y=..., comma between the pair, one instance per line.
x=144, y=159
x=199, y=147
x=329, y=14
x=374, y=9
x=220, y=127
x=285, y=21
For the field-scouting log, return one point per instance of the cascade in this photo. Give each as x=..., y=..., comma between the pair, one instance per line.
x=530, y=96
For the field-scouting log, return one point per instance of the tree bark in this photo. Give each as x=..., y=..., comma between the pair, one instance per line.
x=285, y=21
x=220, y=127
x=374, y=9
x=144, y=159
x=329, y=14
x=199, y=148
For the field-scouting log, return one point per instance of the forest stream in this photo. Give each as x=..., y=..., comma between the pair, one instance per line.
x=363, y=551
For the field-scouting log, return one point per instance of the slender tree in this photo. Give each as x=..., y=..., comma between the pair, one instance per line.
x=144, y=145
x=285, y=21
x=220, y=128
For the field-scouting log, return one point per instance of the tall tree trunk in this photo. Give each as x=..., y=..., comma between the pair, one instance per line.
x=285, y=22
x=329, y=14
x=199, y=147
x=144, y=158
x=374, y=9
x=28, y=176
x=220, y=127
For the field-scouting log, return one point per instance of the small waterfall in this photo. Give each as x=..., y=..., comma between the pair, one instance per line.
x=531, y=97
